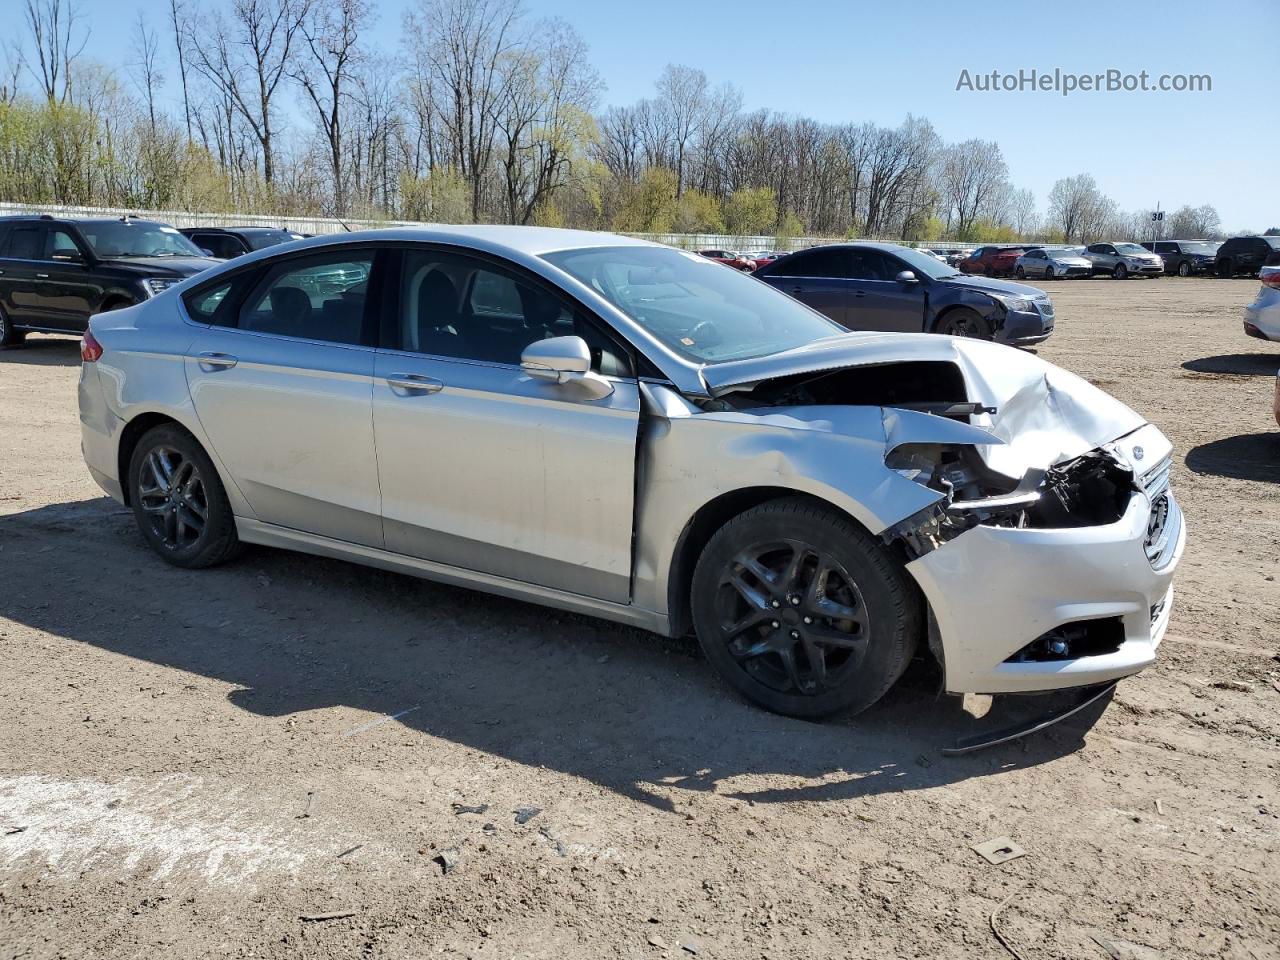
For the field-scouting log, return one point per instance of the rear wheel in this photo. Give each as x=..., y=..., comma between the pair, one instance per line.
x=963, y=322
x=9, y=335
x=178, y=501
x=802, y=612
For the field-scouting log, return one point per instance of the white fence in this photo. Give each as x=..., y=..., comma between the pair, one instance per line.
x=322, y=225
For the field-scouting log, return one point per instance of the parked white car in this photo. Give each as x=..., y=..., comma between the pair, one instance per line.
x=1052, y=263
x=1262, y=317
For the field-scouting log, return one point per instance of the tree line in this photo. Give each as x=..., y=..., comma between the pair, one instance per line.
x=485, y=113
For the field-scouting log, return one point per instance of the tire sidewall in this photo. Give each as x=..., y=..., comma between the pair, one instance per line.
x=207, y=546
x=892, y=629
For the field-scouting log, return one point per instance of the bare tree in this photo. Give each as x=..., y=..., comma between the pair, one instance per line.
x=1021, y=206
x=247, y=59
x=145, y=48
x=682, y=102
x=53, y=25
x=332, y=35
x=177, y=19
x=461, y=47
x=1077, y=207
x=974, y=175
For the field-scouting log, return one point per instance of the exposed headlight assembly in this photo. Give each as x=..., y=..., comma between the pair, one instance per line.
x=1015, y=304
x=158, y=285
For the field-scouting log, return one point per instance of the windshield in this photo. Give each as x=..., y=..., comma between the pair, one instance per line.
x=695, y=306
x=1130, y=248
x=1273, y=241
x=922, y=263
x=131, y=238
x=1206, y=248
x=261, y=239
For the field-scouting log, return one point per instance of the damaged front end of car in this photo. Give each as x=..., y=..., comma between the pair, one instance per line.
x=1047, y=549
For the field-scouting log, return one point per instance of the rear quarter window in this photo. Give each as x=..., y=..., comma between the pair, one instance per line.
x=215, y=303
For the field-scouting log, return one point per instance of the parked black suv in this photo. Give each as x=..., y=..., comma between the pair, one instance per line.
x=1185, y=257
x=229, y=242
x=55, y=274
x=1244, y=255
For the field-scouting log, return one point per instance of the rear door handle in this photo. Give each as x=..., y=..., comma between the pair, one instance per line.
x=859, y=293
x=216, y=361
x=42, y=276
x=415, y=383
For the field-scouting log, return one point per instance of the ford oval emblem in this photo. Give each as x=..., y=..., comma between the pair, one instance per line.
x=1138, y=453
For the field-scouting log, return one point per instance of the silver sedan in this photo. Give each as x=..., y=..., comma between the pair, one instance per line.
x=617, y=428
x=1052, y=263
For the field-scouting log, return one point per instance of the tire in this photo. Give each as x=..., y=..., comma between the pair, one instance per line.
x=9, y=335
x=1184, y=268
x=862, y=653
x=1048, y=273
x=168, y=516
x=1121, y=272
x=963, y=322
x=1226, y=269
x=1020, y=273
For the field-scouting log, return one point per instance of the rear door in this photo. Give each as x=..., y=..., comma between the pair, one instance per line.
x=819, y=278
x=877, y=300
x=282, y=381
x=21, y=285
x=485, y=468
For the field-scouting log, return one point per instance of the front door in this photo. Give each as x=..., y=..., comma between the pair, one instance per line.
x=878, y=301
x=284, y=389
x=68, y=291
x=484, y=467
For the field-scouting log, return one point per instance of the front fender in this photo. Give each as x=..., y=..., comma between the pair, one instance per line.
x=689, y=458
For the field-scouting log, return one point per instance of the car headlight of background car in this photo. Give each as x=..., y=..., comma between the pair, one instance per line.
x=158, y=285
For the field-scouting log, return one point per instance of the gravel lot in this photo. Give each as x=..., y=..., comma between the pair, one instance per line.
x=195, y=764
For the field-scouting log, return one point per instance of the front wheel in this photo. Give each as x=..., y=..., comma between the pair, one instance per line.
x=178, y=500
x=1184, y=269
x=1048, y=273
x=1226, y=269
x=963, y=322
x=802, y=611
x=9, y=335
x=1020, y=273
x=1121, y=272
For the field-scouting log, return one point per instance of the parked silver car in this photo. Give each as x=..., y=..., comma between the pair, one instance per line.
x=1123, y=260
x=618, y=428
x=1052, y=263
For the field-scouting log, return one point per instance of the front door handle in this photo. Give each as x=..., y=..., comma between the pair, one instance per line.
x=42, y=276
x=415, y=383
x=210, y=362
x=859, y=293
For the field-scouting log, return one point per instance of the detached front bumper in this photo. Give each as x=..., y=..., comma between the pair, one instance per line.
x=994, y=590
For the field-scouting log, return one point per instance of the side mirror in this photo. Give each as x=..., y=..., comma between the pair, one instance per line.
x=907, y=276
x=564, y=360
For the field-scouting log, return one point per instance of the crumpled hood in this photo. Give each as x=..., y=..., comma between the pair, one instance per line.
x=1044, y=414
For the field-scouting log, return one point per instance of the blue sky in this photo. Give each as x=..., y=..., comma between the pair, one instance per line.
x=861, y=60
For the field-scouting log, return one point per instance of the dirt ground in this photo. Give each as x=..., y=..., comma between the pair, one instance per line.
x=195, y=764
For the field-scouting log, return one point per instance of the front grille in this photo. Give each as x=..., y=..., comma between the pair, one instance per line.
x=1045, y=307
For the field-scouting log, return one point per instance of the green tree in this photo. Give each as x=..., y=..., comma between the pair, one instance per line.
x=750, y=211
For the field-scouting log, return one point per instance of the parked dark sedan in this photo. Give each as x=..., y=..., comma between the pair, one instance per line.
x=882, y=286
x=1244, y=255
x=57, y=273
x=1185, y=257
x=227, y=243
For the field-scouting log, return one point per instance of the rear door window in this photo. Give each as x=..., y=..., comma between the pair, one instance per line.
x=313, y=298
x=27, y=242
x=815, y=263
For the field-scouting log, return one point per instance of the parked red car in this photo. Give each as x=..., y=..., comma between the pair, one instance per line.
x=729, y=259
x=994, y=261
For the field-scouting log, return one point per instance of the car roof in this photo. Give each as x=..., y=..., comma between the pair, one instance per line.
x=531, y=241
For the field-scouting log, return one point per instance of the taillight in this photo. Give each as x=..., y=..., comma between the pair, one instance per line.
x=90, y=348
x=1271, y=280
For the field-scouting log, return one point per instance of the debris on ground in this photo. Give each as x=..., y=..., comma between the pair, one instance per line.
x=657, y=941
x=525, y=814
x=1237, y=685
x=349, y=851
x=996, y=929
x=461, y=808
x=690, y=946
x=320, y=917
x=448, y=860
x=1123, y=949
x=998, y=850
